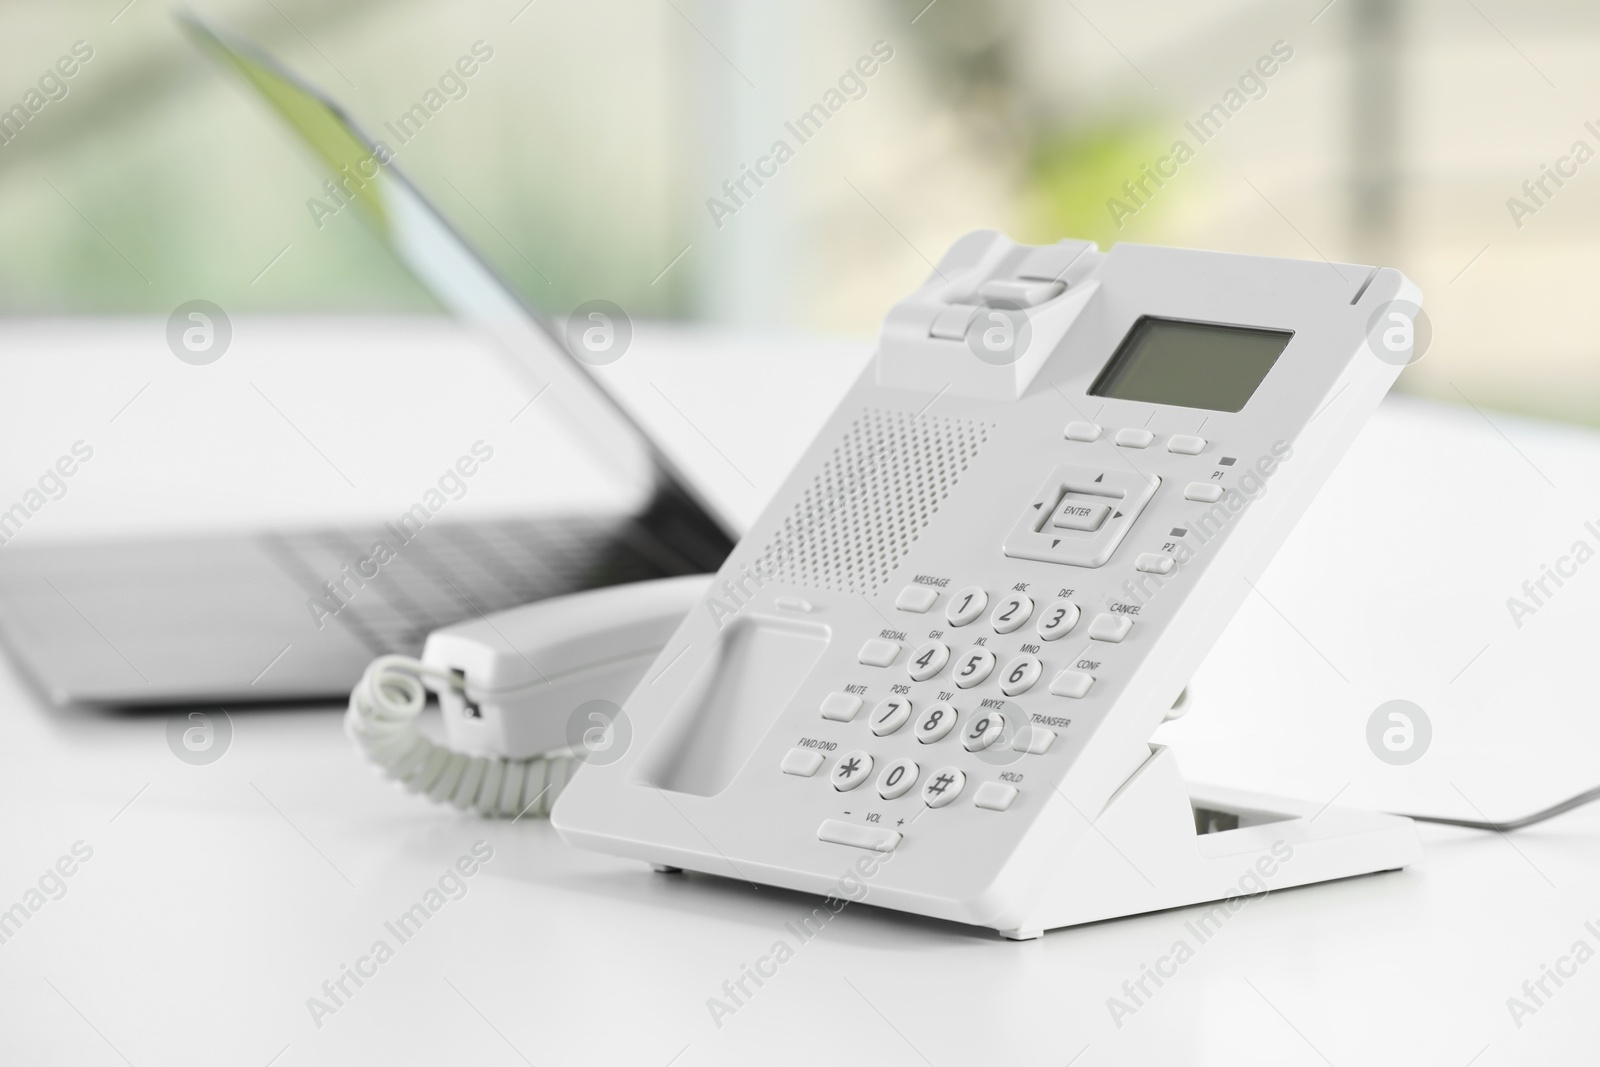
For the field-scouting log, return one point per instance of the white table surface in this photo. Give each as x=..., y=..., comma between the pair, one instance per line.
x=218, y=899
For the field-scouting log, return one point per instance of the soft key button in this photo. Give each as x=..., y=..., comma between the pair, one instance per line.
x=1073, y=684
x=1082, y=431
x=878, y=653
x=1154, y=563
x=802, y=761
x=1186, y=444
x=1034, y=740
x=966, y=605
x=1111, y=628
x=995, y=796
x=1131, y=437
x=840, y=707
x=928, y=660
x=1011, y=613
x=917, y=598
x=839, y=832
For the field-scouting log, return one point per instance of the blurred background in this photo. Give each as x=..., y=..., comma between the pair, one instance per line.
x=583, y=155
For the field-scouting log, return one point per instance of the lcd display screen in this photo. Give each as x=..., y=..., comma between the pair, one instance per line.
x=1190, y=364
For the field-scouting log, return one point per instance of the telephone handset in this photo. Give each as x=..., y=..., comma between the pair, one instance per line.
x=940, y=653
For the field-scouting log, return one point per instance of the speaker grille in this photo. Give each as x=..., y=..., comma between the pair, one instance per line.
x=872, y=498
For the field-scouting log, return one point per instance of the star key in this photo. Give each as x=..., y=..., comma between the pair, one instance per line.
x=852, y=769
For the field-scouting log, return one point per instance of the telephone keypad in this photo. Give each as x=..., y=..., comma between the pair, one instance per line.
x=928, y=660
x=890, y=714
x=1058, y=620
x=943, y=786
x=898, y=778
x=966, y=605
x=974, y=667
x=1011, y=613
x=984, y=731
x=852, y=769
x=936, y=723
x=1020, y=674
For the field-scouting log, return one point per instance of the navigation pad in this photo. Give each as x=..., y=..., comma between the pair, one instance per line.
x=1080, y=515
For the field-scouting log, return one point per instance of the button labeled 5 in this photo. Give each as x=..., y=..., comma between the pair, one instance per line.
x=974, y=667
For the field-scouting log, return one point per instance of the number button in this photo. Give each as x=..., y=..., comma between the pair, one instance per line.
x=928, y=661
x=975, y=667
x=898, y=779
x=1020, y=674
x=984, y=731
x=936, y=723
x=966, y=605
x=890, y=714
x=943, y=786
x=1058, y=620
x=1013, y=611
x=852, y=769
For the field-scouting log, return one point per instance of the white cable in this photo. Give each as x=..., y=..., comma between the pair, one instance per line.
x=382, y=721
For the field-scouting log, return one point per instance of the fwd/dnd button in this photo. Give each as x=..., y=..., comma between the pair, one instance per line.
x=838, y=832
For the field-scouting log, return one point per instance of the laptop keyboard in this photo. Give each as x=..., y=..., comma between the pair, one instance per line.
x=453, y=571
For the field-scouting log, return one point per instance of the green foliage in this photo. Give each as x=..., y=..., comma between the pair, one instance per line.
x=1074, y=173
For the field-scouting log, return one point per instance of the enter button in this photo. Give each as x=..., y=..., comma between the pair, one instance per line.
x=1076, y=515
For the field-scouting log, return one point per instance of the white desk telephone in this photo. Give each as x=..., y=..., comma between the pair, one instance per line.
x=948, y=639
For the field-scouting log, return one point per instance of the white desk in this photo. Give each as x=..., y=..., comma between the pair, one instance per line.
x=219, y=898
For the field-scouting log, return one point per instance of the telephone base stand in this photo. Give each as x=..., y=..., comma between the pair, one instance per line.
x=1161, y=843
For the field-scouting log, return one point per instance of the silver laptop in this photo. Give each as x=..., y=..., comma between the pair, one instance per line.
x=224, y=619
